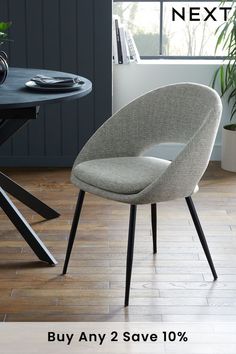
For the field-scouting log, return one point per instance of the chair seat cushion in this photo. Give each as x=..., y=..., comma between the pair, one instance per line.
x=124, y=175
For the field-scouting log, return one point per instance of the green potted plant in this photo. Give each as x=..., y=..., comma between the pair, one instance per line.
x=226, y=76
x=4, y=26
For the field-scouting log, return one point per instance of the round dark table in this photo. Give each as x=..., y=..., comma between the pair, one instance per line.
x=14, y=94
x=19, y=105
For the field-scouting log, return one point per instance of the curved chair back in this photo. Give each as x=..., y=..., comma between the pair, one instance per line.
x=181, y=113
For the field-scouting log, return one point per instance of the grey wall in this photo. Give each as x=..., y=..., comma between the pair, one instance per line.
x=67, y=35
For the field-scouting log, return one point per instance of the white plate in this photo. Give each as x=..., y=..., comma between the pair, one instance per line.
x=33, y=86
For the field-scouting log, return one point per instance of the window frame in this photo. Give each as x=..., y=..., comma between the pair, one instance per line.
x=180, y=57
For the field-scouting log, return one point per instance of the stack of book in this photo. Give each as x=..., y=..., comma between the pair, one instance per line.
x=124, y=47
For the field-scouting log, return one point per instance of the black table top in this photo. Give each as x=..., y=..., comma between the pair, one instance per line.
x=14, y=94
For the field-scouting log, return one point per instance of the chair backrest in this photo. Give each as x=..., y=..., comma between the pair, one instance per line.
x=181, y=113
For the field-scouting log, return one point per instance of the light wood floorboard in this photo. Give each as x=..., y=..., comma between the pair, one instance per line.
x=174, y=285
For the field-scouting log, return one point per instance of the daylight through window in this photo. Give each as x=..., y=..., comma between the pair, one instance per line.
x=173, y=29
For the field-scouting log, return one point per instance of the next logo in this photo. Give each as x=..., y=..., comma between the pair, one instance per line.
x=201, y=13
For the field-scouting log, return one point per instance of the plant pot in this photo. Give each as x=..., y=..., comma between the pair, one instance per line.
x=228, y=156
x=3, y=67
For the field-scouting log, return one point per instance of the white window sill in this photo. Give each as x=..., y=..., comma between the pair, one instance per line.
x=180, y=62
x=175, y=62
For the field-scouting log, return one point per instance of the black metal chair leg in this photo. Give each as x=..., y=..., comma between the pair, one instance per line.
x=201, y=234
x=154, y=227
x=73, y=229
x=130, y=251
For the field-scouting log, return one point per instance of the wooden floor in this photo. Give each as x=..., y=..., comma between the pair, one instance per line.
x=174, y=285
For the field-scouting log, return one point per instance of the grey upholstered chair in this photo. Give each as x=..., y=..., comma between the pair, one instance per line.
x=112, y=165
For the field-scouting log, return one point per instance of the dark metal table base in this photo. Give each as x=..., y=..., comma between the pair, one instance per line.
x=7, y=128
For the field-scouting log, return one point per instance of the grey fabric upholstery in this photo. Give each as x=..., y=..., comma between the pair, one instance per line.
x=182, y=113
x=125, y=175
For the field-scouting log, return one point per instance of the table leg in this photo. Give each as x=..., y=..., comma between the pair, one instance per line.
x=27, y=198
x=12, y=120
x=10, y=127
x=25, y=229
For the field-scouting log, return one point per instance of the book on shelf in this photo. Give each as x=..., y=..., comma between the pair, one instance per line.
x=114, y=43
x=124, y=46
x=134, y=54
x=118, y=41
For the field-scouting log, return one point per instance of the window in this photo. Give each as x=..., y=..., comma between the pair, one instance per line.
x=191, y=33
